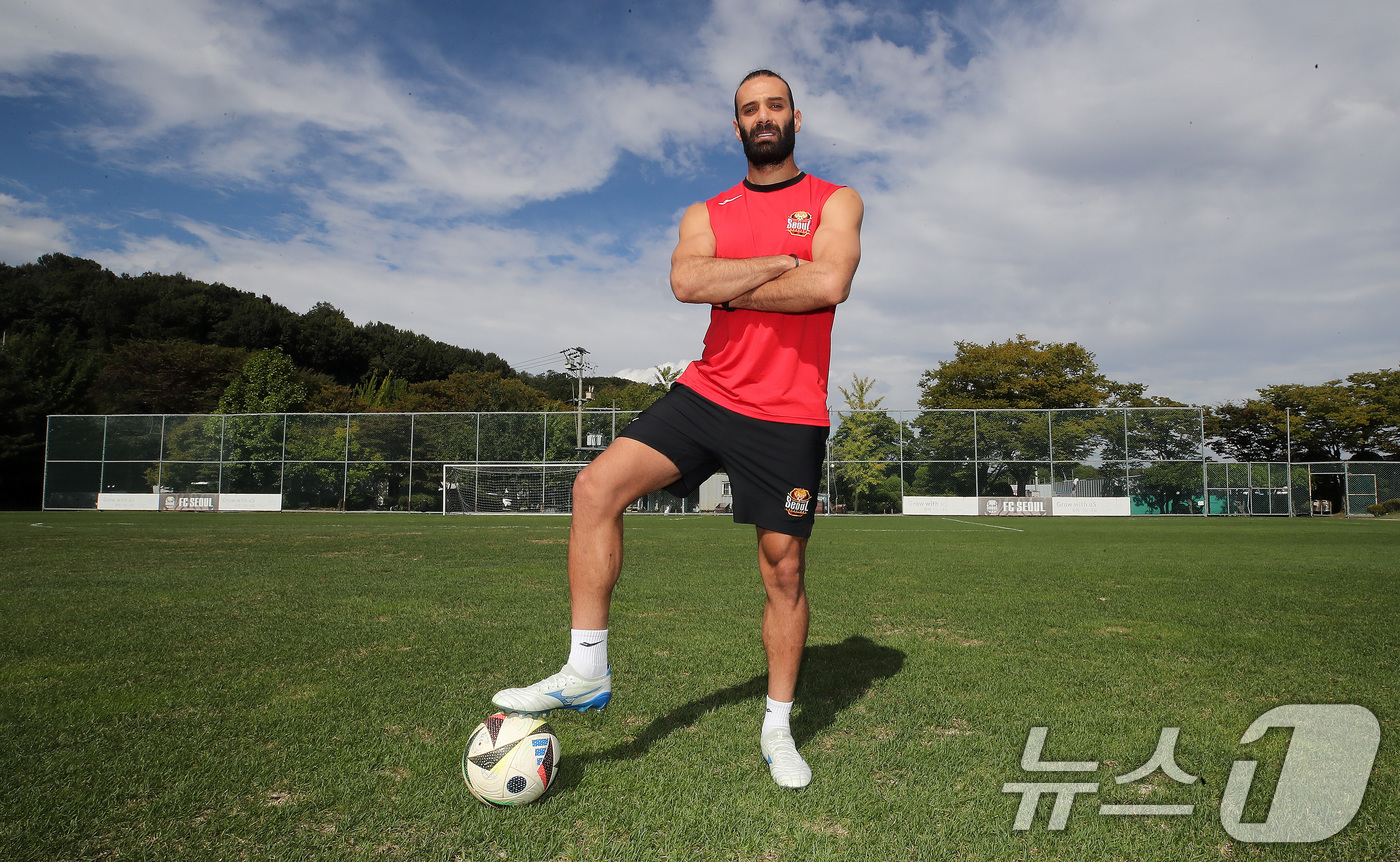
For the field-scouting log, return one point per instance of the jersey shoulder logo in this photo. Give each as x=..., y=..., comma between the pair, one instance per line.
x=799, y=223
x=730, y=200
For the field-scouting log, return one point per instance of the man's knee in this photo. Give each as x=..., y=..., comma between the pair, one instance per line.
x=624, y=472
x=783, y=561
x=592, y=492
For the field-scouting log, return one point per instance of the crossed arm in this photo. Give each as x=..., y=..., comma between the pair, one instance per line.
x=772, y=282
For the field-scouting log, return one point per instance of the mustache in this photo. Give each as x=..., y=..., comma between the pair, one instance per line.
x=765, y=127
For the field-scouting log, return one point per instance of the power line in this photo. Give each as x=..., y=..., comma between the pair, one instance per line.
x=538, y=362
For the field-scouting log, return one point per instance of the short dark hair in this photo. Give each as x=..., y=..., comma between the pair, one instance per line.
x=762, y=73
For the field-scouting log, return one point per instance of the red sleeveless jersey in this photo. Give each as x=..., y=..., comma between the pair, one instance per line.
x=765, y=364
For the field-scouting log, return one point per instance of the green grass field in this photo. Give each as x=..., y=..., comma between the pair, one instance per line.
x=300, y=686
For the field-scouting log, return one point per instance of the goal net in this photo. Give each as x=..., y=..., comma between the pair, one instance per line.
x=509, y=487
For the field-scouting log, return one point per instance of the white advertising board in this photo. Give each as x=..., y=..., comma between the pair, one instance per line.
x=250, y=502
x=172, y=502
x=955, y=506
x=1017, y=507
x=1094, y=506
x=128, y=502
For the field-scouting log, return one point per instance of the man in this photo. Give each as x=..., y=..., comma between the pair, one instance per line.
x=773, y=257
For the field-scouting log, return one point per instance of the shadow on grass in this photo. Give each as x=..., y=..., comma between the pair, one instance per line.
x=834, y=676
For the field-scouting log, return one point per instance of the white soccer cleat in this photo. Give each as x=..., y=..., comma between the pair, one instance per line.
x=564, y=690
x=786, y=765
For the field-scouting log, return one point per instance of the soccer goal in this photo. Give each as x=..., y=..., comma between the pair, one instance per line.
x=545, y=487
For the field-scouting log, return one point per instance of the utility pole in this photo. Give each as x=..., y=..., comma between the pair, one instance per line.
x=574, y=362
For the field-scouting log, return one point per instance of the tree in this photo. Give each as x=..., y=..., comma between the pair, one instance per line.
x=866, y=441
x=634, y=397
x=1022, y=374
x=1358, y=417
x=1032, y=380
x=267, y=384
x=469, y=391
x=165, y=377
x=40, y=374
x=417, y=358
x=1169, y=488
x=1378, y=392
x=380, y=394
x=665, y=376
x=328, y=342
x=327, y=396
x=105, y=310
x=1254, y=430
x=1326, y=420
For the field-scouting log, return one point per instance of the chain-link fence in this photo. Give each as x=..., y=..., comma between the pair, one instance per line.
x=1333, y=488
x=1355, y=485
x=1153, y=456
x=356, y=462
x=1156, y=458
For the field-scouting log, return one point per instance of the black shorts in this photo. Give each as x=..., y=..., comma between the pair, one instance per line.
x=774, y=467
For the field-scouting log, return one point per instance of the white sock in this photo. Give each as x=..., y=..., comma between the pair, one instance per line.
x=776, y=716
x=588, y=652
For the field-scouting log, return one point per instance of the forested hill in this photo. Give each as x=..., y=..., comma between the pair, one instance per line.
x=102, y=311
x=80, y=339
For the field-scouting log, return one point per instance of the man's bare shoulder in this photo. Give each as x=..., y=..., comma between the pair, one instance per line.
x=696, y=219
x=844, y=207
x=846, y=197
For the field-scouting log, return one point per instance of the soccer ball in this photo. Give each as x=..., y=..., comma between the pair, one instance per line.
x=510, y=759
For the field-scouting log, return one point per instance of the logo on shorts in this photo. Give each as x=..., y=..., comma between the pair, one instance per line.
x=799, y=501
x=800, y=223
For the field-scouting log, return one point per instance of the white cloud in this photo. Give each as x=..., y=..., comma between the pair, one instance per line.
x=213, y=85
x=26, y=232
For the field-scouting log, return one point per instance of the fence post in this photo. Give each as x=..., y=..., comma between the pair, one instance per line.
x=1205, y=469
x=1288, y=457
x=976, y=473
x=345, y=470
x=102, y=468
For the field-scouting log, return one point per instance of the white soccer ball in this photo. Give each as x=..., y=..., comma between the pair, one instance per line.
x=510, y=759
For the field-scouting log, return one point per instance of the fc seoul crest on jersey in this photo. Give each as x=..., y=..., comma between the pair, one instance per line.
x=799, y=223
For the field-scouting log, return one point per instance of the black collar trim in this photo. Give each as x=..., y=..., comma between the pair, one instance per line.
x=776, y=187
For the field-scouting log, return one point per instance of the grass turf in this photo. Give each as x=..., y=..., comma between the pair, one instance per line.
x=301, y=686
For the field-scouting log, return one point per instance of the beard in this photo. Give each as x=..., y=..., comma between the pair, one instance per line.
x=763, y=154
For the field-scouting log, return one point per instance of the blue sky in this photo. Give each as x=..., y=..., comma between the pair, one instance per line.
x=1205, y=195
